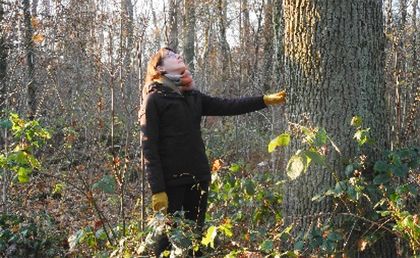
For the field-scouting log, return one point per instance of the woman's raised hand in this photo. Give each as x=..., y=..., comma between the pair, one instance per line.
x=276, y=98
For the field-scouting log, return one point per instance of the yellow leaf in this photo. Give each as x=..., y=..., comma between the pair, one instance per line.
x=362, y=244
x=217, y=165
x=35, y=22
x=38, y=38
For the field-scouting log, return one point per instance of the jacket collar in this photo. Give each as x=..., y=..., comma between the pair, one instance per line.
x=168, y=85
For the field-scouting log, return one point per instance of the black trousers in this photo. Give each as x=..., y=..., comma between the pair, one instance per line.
x=192, y=199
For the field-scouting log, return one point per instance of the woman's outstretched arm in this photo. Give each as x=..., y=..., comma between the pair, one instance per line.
x=216, y=106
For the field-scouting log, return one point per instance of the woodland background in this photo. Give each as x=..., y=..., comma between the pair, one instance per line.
x=71, y=74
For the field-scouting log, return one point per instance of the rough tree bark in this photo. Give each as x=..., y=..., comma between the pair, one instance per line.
x=277, y=69
x=30, y=61
x=268, y=33
x=189, y=33
x=333, y=54
x=3, y=64
x=173, y=25
x=225, y=49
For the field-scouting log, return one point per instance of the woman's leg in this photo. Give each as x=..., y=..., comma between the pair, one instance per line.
x=195, y=206
x=175, y=200
x=195, y=203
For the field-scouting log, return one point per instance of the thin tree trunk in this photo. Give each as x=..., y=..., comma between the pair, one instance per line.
x=3, y=64
x=389, y=82
x=225, y=49
x=173, y=24
x=189, y=33
x=267, y=70
x=400, y=75
x=277, y=69
x=333, y=71
x=30, y=60
x=245, y=29
x=3, y=106
x=158, y=39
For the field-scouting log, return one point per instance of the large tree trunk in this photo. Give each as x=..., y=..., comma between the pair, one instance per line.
x=333, y=71
x=189, y=33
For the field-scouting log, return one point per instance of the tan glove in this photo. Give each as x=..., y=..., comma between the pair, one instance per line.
x=276, y=98
x=160, y=201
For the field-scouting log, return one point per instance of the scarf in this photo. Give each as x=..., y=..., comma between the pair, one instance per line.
x=178, y=82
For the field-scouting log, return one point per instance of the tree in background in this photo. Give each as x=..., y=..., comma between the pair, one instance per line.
x=334, y=60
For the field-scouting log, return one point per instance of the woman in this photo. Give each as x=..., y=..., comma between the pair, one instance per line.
x=177, y=167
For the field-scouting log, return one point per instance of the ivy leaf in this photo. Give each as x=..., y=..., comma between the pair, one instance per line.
x=400, y=170
x=381, y=166
x=295, y=166
x=5, y=124
x=249, y=187
x=349, y=170
x=281, y=140
x=106, y=184
x=210, y=236
x=381, y=179
x=267, y=246
x=298, y=245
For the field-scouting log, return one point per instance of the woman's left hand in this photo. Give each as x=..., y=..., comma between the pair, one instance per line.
x=276, y=98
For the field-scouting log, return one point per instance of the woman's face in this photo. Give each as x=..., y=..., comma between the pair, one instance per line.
x=173, y=63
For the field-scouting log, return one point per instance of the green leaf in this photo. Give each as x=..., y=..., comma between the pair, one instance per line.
x=281, y=140
x=23, y=174
x=356, y=121
x=33, y=161
x=226, y=228
x=349, y=170
x=400, y=170
x=362, y=136
x=3, y=160
x=106, y=184
x=298, y=245
x=234, y=167
x=6, y=124
x=381, y=179
x=381, y=166
x=100, y=234
x=210, y=236
x=318, y=197
x=267, y=246
x=315, y=156
x=334, y=236
x=340, y=187
x=320, y=137
x=249, y=187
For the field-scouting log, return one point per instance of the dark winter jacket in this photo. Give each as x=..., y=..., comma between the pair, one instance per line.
x=174, y=151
